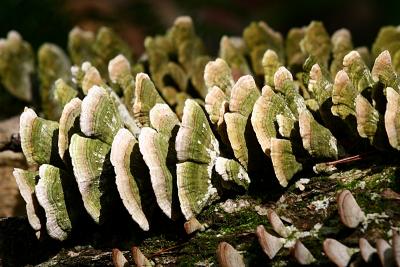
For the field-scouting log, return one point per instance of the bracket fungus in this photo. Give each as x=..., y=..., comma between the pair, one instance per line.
x=26, y=181
x=51, y=196
x=243, y=95
x=259, y=37
x=63, y=92
x=232, y=50
x=359, y=74
x=317, y=140
x=284, y=161
x=343, y=96
x=341, y=45
x=38, y=137
x=383, y=70
x=265, y=112
x=316, y=42
x=218, y=73
x=158, y=149
x=197, y=149
x=122, y=149
x=231, y=171
x=88, y=157
x=70, y=117
x=16, y=66
x=99, y=117
x=146, y=96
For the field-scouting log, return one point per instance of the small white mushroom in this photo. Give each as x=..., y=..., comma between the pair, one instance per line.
x=69, y=116
x=302, y=255
x=367, y=251
x=385, y=253
x=277, y=223
x=119, y=259
x=337, y=252
x=396, y=247
x=350, y=213
x=139, y=259
x=270, y=244
x=193, y=225
x=228, y=256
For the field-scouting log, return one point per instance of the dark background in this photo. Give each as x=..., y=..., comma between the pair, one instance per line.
x=50, y=20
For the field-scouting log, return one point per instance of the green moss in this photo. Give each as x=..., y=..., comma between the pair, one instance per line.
x=202, y=248
x=237, y=228
x=156, y=243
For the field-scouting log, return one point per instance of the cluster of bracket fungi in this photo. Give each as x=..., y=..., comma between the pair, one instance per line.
x=194, y=127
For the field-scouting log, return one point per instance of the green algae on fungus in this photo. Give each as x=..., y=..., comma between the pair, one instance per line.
x=51, y=197
x=88, y=157
x=120, y=157
x=197, y=150
x=154, y=145
x=37, y=137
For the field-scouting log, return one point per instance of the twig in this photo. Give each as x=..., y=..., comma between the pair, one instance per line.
x=348, y=159
x=165, y=250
